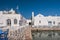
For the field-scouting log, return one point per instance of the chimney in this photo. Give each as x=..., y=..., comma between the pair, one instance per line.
x=32, y=15
x=32, y=21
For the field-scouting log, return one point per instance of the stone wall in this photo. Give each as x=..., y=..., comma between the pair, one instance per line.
x=23, y=33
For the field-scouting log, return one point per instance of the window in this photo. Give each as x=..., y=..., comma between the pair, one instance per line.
x=53, y=22
x=8, y=22
x=59, y=24
x=20, y=22
x=15, y=21
x=39, y=21
x=49, y=23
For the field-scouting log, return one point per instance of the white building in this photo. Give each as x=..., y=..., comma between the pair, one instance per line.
x=11, y=18
x=41, y=20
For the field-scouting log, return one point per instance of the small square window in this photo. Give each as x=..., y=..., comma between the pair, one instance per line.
x=20, y=22
x=39, y=21
x=49, y=23
x=53, y=22
x=59, y=23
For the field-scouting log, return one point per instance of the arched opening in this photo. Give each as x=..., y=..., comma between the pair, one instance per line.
x=15, y=21
x=9, y=22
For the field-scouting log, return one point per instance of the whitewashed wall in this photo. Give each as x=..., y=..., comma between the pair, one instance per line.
x=44, y=20
x=4, y=17
x=11, y=14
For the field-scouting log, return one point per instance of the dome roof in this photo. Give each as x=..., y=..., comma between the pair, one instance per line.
x=40, y=15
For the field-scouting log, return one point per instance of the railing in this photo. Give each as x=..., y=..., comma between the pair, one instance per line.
x=44, y=26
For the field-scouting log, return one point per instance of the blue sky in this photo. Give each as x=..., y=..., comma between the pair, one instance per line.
x=45, y=7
